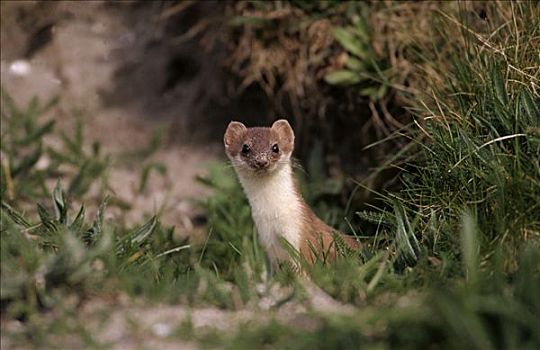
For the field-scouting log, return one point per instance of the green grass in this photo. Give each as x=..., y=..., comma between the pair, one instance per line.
x=52, y=251
x=452, y=260
x=480, y=146
x=467, y=220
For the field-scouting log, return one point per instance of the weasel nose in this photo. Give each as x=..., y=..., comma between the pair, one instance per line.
x=261, y=163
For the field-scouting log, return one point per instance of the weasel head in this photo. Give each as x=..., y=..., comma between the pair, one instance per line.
x=259, y=151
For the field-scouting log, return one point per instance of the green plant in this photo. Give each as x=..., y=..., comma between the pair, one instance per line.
x=231, y=243
x=481, y=145
x=28, y=161
x=363, y=67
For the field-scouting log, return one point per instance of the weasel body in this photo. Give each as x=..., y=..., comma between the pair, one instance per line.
x=261, y=158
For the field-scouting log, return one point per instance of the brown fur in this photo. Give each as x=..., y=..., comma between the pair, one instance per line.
x=318, y=241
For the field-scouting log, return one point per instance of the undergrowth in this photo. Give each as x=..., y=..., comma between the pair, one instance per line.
x=52, y=251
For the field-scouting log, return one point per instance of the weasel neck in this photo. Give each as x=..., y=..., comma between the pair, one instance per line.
x=277, y=209
x=279, y=185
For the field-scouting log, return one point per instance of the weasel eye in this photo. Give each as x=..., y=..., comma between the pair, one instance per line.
x=245, y=149
x=275, y=148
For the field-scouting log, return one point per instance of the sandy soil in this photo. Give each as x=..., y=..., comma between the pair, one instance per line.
x=132, y=324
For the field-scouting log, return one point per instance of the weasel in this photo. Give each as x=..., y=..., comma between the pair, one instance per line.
x=261, y=158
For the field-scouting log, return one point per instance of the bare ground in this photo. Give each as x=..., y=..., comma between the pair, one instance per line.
x=89, y=47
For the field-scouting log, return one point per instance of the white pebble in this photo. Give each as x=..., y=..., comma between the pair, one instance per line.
x=161, y=329
x=20, y=67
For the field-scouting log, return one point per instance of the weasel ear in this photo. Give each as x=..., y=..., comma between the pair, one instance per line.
x=284, y=130
x=234, y=130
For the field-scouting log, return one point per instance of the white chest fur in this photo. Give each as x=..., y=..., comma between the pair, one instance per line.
x=276, y=210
